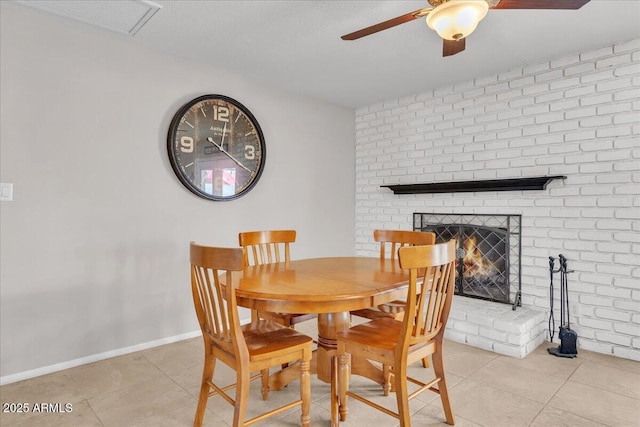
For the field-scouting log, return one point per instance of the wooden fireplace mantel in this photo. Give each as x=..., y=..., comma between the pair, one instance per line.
x=509, y=184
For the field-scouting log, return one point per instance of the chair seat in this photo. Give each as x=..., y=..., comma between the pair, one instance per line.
x=393, y=309
x=265, y=336
x=286, y=319
x=380, y=333
x=371, y=313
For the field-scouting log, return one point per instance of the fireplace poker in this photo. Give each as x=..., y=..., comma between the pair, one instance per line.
x=552, y=321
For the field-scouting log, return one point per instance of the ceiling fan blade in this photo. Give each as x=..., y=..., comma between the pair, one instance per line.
x=407, y=17
x=541, y=4
x=451, y=47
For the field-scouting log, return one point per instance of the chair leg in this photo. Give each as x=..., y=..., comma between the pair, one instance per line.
x=288, y=325
x=386, y=374
x=207, y=376
x=400, y=379
x=438, y=368
x=343, y=384
x=335, y=421
x=305, y=388
x=425, y=362
x=242, y=397
x=264, y=380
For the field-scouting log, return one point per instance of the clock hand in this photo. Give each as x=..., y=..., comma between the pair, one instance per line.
x=224, y=131
x=227, y=153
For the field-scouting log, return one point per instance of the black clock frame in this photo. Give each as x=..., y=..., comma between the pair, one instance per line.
x=175, y=121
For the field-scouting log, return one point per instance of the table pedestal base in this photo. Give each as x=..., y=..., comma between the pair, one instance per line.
x=329, y=324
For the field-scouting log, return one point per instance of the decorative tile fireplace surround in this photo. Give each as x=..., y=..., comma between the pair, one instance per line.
x=574, y=116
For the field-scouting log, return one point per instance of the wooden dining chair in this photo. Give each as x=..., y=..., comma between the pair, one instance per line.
x=268, y=247
x=256, y=346
x=399, y=343
x=394, y=240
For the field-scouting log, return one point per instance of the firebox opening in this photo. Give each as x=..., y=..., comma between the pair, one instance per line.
x=488, y=264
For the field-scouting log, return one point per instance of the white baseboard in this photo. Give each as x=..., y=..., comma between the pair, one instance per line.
x=8, y=379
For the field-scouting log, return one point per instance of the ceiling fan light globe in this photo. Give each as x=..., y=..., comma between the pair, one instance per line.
x=442, y=24
x=457, y=19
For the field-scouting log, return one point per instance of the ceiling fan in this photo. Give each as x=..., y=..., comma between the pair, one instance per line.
x=454, y=20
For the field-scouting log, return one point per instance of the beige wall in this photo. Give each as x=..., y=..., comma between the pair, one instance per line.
x=94, y=246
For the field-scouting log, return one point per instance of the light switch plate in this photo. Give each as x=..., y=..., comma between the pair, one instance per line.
x=6, y=192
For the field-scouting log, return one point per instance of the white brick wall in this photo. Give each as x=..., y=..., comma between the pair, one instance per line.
x=577, y=116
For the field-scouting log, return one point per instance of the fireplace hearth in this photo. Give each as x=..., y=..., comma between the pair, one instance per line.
x=488, y=265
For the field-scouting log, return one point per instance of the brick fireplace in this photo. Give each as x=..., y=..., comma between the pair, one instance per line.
x=575, y=116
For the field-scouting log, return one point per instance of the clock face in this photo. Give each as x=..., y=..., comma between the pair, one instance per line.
x=216, y=147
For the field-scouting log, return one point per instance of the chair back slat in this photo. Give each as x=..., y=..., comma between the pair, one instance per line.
x=266, y=247
x=428, y=299
x=215, y=321
x=215, y=305
x=401, y=238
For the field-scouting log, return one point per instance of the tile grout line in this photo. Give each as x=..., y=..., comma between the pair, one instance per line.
x=171, y=379
x=547, y=404
x=95, y=413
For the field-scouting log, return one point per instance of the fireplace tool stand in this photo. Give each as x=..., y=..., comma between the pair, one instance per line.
x=568, y=337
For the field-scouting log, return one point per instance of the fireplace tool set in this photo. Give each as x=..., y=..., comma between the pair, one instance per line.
x=568, y=337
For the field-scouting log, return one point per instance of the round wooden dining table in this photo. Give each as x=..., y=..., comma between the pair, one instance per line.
x=330, y=287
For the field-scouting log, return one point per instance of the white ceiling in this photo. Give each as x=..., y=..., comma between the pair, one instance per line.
x=296, y=44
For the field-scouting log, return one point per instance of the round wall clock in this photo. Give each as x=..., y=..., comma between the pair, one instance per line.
x=216, y=147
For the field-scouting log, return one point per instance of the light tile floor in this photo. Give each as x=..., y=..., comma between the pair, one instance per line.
x=159, y=387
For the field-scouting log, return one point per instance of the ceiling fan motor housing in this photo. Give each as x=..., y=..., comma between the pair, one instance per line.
x=456, y=19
